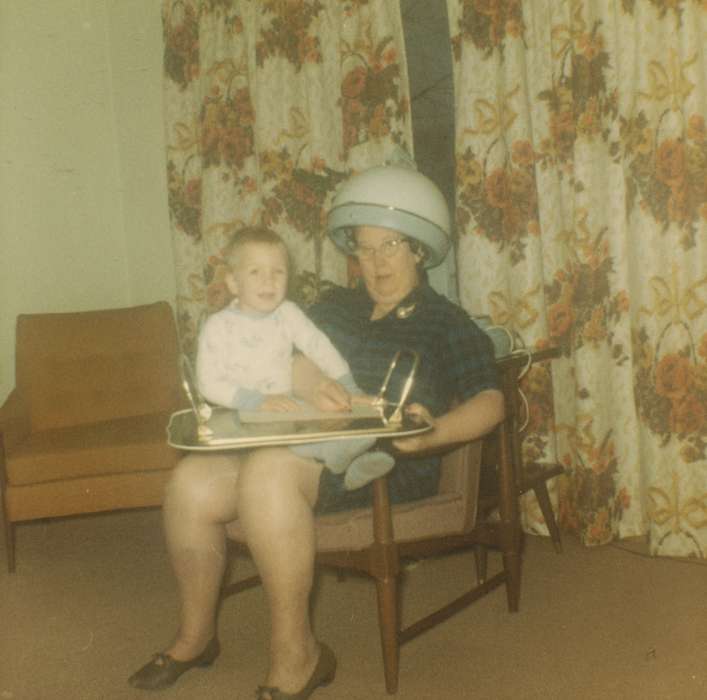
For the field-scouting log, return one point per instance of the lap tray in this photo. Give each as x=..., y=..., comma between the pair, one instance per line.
x=216, y=428
x=229, y=432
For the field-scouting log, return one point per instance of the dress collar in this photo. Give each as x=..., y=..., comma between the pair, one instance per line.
x=405, y=308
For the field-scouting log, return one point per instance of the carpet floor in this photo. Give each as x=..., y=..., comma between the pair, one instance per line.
x=93, y=598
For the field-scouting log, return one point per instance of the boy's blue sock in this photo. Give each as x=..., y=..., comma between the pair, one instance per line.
x=366, y=468
x=336, y=454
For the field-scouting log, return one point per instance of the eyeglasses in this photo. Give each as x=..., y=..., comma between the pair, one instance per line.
x=387, y=249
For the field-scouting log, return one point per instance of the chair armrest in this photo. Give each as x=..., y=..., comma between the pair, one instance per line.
x=461, y=471
x=14, y=420
x=471, y=456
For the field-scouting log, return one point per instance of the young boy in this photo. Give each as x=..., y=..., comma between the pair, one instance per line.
x=244, y=359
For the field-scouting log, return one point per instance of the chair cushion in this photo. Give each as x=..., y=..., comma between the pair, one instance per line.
x=352, y=530
x=92, y=494
x=135, y=443
x=416, y=520
x=90, y=366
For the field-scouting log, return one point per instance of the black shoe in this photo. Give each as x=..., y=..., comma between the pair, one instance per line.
x=323, y=674
x=162, y=670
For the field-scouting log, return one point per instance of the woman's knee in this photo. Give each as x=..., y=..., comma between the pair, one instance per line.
x=278, y=474
x=261, y=475
x=192, y=480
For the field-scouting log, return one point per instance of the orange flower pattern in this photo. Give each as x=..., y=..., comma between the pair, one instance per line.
x=537, y=389
x=227, y=130
x=579, y=105
x=669, y=175
x=592, y=503
x=502, y=203
x=487, y=23
x=671, y=394
x=184, y=201
x=582, y=310
x=181, y=44
x=299, y=194
x=370, y=95
x=290, y=33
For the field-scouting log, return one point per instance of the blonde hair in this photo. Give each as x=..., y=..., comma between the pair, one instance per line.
x=253, y=234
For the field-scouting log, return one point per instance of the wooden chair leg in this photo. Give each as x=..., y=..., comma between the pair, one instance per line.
x=9, y=528
x=8, y=525
x=386, y=571
x=541, y=493
x=481, y=560
x=387, y=590
x=510, y=532
x=512, y=567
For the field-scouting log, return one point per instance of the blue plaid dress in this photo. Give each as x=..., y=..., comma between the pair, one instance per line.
x=456, y=363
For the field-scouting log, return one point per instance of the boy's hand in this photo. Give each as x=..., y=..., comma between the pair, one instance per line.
x=331, y=396
x=278, y=402
x=362, y=400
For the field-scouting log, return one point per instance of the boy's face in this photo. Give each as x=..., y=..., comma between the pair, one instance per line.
x=259, y=277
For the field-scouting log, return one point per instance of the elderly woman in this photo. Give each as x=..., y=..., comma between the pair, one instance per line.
x=395, y=222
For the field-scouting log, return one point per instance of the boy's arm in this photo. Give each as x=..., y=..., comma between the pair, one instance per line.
x=215, y=383
x=310, y=384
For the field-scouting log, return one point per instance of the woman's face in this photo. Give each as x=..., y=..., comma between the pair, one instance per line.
x=390, y=277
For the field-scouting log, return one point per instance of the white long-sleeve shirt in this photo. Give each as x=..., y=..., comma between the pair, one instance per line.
x=242, y=357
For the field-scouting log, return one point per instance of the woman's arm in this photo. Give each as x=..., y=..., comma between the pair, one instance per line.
x=467, y=421
x=313, y=343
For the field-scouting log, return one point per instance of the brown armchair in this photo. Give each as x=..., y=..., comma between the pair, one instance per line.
x=375, y=540
x=84, y=429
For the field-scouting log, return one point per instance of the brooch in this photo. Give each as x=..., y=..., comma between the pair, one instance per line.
x=405, y=311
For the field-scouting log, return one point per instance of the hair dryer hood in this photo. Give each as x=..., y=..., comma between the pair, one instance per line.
x=394, y=197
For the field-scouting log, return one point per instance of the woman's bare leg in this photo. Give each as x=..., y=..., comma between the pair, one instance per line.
x=276, y=494
x=200, y=500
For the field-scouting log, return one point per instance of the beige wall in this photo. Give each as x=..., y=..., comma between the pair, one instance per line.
x=83, y=210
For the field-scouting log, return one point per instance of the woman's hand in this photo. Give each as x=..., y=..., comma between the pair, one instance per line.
x=420, y=414
x=417, y=443
x=467, y=421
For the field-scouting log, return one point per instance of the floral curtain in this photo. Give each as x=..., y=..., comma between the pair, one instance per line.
x=581, y=155
x=269, y=105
